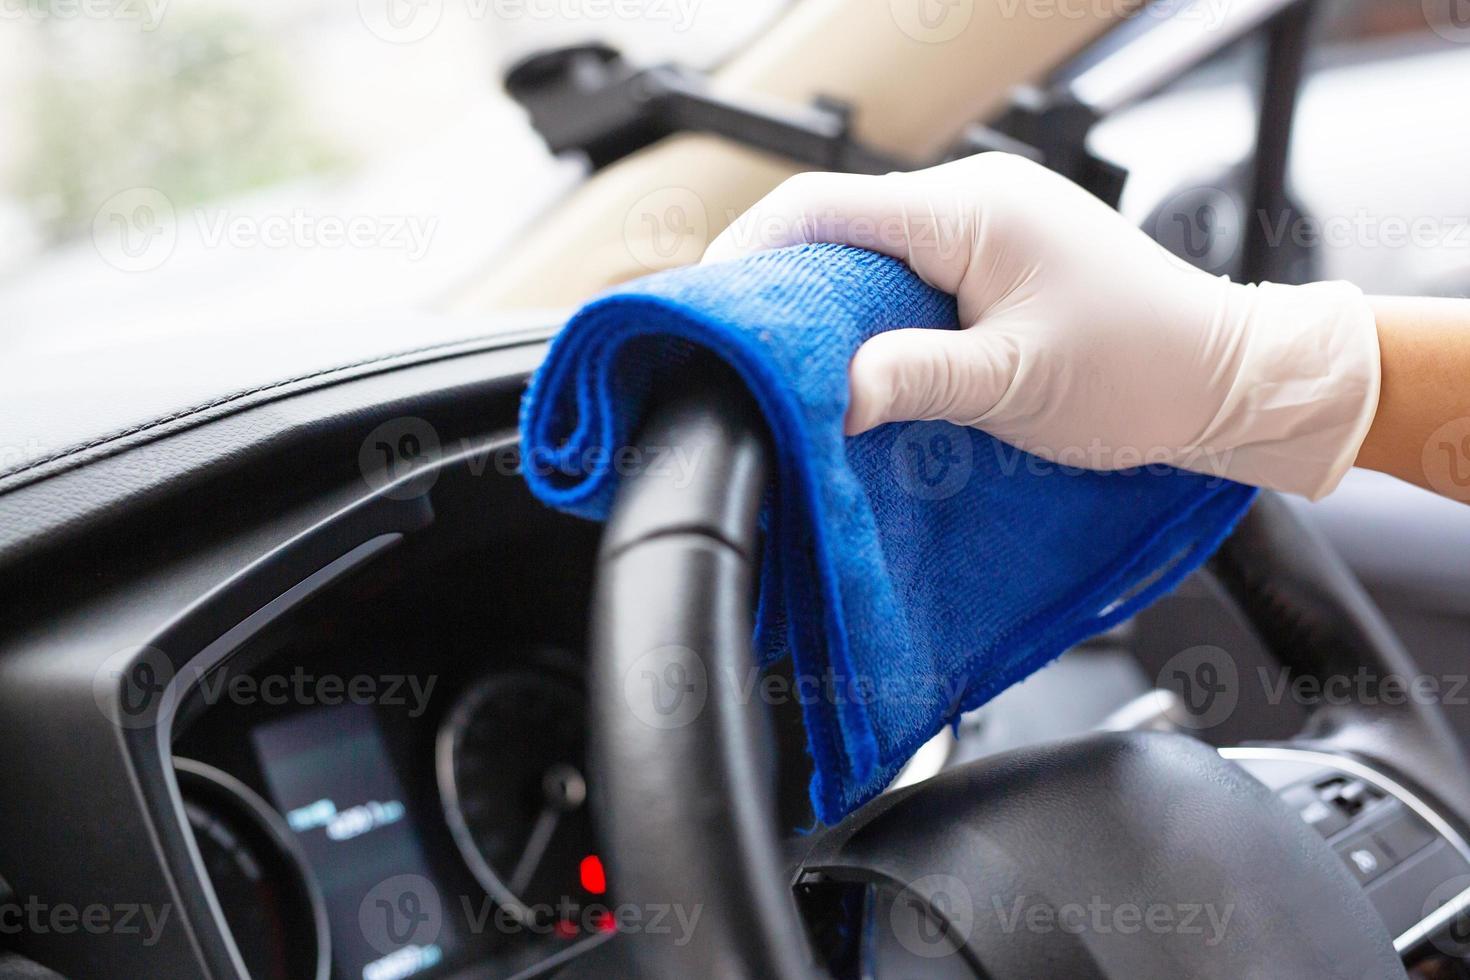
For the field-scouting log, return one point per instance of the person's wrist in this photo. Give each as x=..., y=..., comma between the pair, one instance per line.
x=1305, y=389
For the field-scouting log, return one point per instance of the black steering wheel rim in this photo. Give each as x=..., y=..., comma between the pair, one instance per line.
x=685, y=796
x=699, y=543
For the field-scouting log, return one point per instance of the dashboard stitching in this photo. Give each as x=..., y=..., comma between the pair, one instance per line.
x=7, y=477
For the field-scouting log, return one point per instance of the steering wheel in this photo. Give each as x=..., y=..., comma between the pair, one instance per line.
x=963, y=861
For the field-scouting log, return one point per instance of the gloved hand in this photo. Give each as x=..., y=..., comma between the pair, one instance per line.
x=1087, y=343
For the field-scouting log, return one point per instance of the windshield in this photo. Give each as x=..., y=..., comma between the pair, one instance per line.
x=169, y=164
x=180, y=165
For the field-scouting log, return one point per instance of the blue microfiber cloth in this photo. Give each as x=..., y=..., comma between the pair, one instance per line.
x=912, y=572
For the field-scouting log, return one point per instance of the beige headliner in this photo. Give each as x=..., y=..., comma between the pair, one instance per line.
x=915, y=72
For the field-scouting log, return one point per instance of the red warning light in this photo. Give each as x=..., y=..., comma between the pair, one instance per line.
x=605, y=921
x=594, y=879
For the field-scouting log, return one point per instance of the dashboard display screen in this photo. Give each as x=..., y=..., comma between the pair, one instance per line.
x=331, y=776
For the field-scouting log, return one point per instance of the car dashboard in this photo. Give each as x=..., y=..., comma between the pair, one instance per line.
x=292, y=681
x=302, y=693
x=407, y=754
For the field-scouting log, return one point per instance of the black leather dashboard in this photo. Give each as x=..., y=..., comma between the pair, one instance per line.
x=171, y=511
x=134, y=405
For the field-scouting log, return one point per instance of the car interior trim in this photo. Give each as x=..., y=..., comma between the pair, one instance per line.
x=1409, y=940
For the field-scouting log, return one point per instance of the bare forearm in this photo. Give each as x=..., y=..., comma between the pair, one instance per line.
x=1421, y=432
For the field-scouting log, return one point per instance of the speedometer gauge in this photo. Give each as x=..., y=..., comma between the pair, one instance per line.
x=511, y=757
x=270, y=901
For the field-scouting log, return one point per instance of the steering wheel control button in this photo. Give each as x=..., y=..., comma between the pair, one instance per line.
x=1351, y=796
x=1319, y=814
x=1402, y=834
x=1364, y=856
x=1394, y=843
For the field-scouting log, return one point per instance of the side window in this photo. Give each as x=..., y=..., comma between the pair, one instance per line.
x=1379, y=151
x=1382, y=145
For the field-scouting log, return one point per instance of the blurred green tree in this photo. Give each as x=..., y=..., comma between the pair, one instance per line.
x=199, y=105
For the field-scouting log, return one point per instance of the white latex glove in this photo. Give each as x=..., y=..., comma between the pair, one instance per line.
x=1086, y=342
